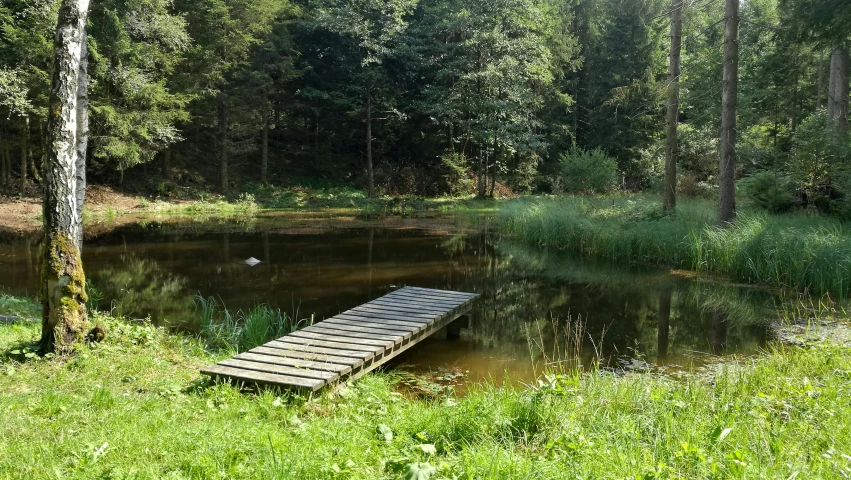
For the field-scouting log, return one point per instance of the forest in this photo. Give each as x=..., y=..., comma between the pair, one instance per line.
x=438, y=97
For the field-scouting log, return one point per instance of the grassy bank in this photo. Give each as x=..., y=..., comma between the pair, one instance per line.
x=135, y=407
x=306, y=196
x=791, y=251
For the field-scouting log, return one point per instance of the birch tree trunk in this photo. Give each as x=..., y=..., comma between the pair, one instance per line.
x=63, y=295
x=729, y=100
x=82, y=132
x=670, y=196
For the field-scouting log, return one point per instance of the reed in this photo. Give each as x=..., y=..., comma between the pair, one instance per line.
x=242, y=330
x=794, y=251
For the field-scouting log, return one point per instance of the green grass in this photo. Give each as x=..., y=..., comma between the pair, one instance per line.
x=242, y=330
x=310, y=195
x=794, y=251
x=19, y=307
x=134, y=406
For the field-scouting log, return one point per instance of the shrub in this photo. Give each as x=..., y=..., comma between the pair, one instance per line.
x=770, y=191
x=588, y=171
x=698, y=152
x=456, y=173
x=816, y=161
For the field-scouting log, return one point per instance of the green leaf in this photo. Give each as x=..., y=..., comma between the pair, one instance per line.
x=385, y=431
x=428, y=448
x=419, y=471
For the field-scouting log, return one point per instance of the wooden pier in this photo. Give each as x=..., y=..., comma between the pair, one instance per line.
x=350, y=344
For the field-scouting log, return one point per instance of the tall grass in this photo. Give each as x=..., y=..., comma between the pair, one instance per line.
x=242, y=330
x=797, y=251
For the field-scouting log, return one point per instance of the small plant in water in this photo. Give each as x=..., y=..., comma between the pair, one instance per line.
x=242, y=330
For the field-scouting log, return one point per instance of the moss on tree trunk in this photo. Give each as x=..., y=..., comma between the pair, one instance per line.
x=63, y=295
x=64, y=319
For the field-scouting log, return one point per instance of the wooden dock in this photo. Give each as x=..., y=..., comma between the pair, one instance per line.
x=350, y=344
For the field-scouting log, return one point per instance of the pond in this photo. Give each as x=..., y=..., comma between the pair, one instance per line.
x=534, y=303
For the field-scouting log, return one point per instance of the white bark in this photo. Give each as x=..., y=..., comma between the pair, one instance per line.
x=82, y=132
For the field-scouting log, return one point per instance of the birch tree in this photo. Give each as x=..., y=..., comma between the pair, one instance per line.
x=63, y=295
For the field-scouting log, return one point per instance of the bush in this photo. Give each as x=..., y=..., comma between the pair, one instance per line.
x=816, y=161
x=588, y=171
x=456, y=174
x=698, y=153
x=769, y=191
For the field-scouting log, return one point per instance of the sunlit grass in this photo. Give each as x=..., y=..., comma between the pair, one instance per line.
x=135, y=406
x=791, y=251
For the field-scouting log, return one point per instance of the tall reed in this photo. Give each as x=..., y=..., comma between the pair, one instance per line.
x=794, y=251
x=242, y=330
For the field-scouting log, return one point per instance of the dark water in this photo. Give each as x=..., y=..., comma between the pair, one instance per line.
x=532, y=300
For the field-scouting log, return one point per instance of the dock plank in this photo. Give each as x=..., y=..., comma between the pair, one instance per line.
x=278, y=369
x=340, y=338
x=262, y=377
x=349, y=344
x=294, y=362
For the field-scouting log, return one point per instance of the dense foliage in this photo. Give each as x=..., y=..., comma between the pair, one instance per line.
x=434, y=96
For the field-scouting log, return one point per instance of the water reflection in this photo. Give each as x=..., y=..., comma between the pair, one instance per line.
x=627, y=311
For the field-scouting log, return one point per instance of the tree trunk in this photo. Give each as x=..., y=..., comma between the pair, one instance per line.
x=8, y=157
x=831, y=86
x=317, y=158
x=820, y=81
x=370, y=178
x=223, y=141
x=25, y=149
x=670, y=195
x=167, y=164
x=837, y=101
x=493, y=176
x=729, y=99
x=63, y=282
x=3, y=172
x=264, y=156
x=481, y=172
x=34, y=169
x=82, y=132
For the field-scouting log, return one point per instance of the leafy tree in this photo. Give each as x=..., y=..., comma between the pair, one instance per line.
x=492, y=67
x=135, y=47
x=373, y=26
